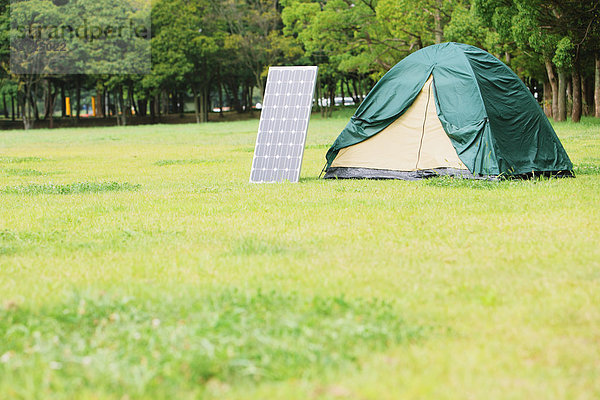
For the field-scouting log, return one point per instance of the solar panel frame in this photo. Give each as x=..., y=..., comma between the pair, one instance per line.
x=283, y=125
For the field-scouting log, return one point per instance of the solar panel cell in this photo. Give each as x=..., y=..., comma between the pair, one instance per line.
x=283, y=124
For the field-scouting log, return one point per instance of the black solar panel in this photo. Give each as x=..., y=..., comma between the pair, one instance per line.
x=283, y=124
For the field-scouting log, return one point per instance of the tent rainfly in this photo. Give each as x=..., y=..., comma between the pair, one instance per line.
x=448, y=109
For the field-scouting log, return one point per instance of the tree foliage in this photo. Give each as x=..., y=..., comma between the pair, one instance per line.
x=219, y=51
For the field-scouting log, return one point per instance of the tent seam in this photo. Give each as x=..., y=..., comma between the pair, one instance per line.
x=424, y=123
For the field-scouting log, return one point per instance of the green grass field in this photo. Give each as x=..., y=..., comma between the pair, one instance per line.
x=139, y=263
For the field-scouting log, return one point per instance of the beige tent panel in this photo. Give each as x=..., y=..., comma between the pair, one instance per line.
x=416, y=140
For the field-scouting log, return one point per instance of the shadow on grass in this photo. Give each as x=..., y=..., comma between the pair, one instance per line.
x=310, y=179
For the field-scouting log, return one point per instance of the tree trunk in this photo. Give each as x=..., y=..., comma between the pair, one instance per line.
x=51, y=119
x=63, y=107
x=106, y=112
x=350, y=93
x=153, y=107
x=250, y=95
x=47, y=94
x=231, y=92
x=331, y=101
x=319, y=95
x=98, y=112
x=547, y=100
x=261, y=85
x=19, y=102
x=437, y=17
x=569, y=95
x=164, y=102
x=116, y=114
x=206, y=95
x=201, y=100
x=12, y=108
x=196, y=105
x=120, y=107
x=562, y=101
x=25, y=109
x=4, y=105
x=203, y=106
x=597, y=86
x=157, y=105
x=112, y=101
x=219, y=81
x=78, y=98
x=127, y=105
x=221, y=99
x=576, y=112
x=136, y=111
x=33, y=103
x=358, y=99
x=584, y=97
x=50, y=104
x=364, y=88
x=590, y=95
x=142, y=107
x=554, y=85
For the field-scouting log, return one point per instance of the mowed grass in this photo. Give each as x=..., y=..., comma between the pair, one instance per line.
x=138, y=262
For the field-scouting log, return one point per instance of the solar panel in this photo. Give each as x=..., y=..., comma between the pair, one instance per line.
x=283, y=124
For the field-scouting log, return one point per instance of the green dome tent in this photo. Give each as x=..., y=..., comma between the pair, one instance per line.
x=448, y=109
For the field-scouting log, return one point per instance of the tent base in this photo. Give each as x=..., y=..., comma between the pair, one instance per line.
x=371, y=173
x=541, y=174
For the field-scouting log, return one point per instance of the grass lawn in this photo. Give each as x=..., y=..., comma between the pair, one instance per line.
x=138, y=263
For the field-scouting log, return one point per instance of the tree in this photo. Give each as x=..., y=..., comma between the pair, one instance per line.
x=186, y=44
x=418, y=23
x=254, y=29
x=347, y=40
x=576, y=21
x=567, y=27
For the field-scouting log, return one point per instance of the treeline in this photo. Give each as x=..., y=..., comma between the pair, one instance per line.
x=217, y=53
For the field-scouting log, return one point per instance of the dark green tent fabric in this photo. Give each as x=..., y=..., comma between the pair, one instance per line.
x=491, y=118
